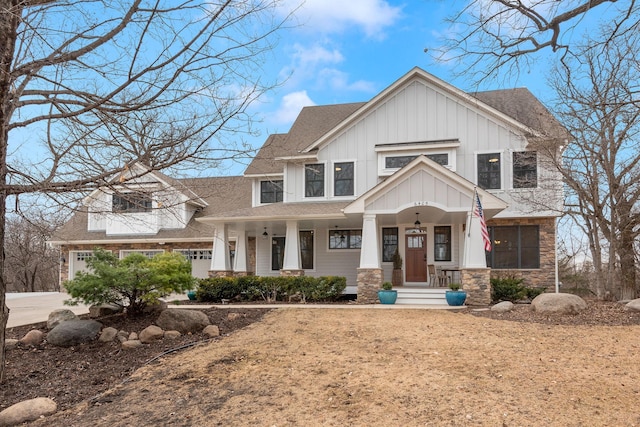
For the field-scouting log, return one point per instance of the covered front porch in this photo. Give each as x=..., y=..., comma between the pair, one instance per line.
x=424, y=212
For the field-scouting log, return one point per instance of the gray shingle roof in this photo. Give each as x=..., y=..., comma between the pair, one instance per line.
x=523, y=106
x=311, y=124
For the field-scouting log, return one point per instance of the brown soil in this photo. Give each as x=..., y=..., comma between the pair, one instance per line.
x=350, y=366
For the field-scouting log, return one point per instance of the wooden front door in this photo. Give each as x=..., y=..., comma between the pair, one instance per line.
x=416, y=257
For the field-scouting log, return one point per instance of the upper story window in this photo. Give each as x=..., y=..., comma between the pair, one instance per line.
x=271, y=191
x=314, y=180
x=489, y=171
x=396, y=162
x=525, y=169
x=343, y=179
x=131, y=202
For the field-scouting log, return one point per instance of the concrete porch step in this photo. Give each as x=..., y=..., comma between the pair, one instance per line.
x=420, y=295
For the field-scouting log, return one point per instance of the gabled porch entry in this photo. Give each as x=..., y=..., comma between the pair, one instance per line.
x=440, y=198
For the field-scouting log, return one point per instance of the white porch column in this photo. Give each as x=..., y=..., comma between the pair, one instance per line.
x=474, y=254
x=370, y=250
x=292, y=247
x=240, y=259
x=220, y=259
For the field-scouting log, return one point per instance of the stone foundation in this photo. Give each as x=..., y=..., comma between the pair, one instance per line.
x=369, y=283
x=477, y=283
x=291, y=273
x=221, y=273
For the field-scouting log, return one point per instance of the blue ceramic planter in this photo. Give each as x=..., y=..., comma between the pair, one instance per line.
x=191, y=295
x=387, y=297
x=455, y=297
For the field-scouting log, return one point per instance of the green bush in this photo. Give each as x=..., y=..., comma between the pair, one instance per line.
x=133, y=282
x=271, y=289
x=507, y=289
x=215, y=289
x=510, y=288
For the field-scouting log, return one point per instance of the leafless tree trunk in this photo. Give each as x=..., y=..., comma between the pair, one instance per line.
x=89, y=86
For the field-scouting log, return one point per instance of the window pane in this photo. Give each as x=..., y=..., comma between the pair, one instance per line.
x=314, y=180
x=277, y=253
x=441, y=159
x=389, y=243
x=131, y=202
x=345, y=239
x=530, y=247
x=271, y=191
x=442, y=243
x=306, y=249
x=525, y=169
x=505, y=247
x=396, y=162
x=343, y=179
x=489, y=171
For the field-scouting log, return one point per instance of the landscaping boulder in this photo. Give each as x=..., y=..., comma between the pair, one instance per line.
x=33, y=337
x=171, y=335
x=151, y=333
x=211, y=331
x=502, y=307
x=108, y=334
x=74, y=332
x=28, y=410
x=104, y=310
x=58, y=316
x=131, y=344
x=157, y=307
x=560, y=303
x=633, y=305
x=183, y=320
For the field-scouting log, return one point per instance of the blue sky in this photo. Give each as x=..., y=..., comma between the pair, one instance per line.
x=341, y=51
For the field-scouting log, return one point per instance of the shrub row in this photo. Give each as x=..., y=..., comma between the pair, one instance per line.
x=271, y=289
x=512, y=289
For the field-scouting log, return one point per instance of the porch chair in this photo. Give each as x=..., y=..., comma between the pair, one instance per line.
x=433, y=278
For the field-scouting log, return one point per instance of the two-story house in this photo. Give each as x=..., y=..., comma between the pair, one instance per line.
x=349, y=185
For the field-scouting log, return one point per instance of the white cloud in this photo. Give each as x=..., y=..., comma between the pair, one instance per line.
x=290, y=107
x=338, y=81
x=331, y=16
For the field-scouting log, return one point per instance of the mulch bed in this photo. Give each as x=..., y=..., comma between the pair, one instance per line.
x=71, y=375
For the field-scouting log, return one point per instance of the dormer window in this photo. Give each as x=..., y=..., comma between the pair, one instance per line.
x=271, y=191
x=131, y=202
x=314, y=180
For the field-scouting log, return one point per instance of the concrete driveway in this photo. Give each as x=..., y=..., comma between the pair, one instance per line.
x=34, y=307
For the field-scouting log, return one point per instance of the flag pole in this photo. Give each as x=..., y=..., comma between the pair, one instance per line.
x=473, y=205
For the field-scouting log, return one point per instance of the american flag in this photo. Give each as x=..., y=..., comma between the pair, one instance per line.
x=483, y=225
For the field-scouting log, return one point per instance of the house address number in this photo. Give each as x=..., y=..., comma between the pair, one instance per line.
x=423, y=203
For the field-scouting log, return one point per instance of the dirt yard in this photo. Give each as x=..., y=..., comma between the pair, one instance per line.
x=374, y=367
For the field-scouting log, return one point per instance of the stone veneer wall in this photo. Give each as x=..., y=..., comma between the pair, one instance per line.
x=476, y=281
x=539, y=277
x=369, y=282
